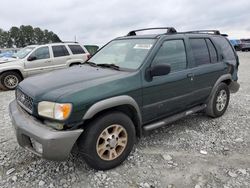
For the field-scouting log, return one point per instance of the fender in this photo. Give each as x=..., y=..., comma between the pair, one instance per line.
x=13, y=68
x=113, y=102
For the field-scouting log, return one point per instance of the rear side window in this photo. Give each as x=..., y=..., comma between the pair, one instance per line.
x=212, y=51
x=76, y=49
x=172, y=52
x=60, y=51
x=200, y=51
x=228, y=53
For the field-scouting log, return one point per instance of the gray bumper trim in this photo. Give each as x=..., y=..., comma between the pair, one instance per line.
x=57, y=145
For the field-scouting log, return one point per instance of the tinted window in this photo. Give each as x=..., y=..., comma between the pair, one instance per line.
x=200, y=51
x=228, y=53
x=59, y=51
x=212, y=51
x=173, y=53
x=76, y=49
x=41, y=53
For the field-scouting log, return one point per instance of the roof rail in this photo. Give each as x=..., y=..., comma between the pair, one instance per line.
x=170, y=30
x=68, y=42
x=215, y=32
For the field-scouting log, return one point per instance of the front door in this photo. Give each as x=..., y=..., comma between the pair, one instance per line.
x=172, y=93
x=39, y=61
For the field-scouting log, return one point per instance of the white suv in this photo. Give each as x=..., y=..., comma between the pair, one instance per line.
x=37, y=59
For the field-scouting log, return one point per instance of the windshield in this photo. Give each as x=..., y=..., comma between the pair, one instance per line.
x=23, y=52
x=126, y=53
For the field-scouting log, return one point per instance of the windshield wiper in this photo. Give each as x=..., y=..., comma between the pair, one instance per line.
x=113, y=66
x=91, y=63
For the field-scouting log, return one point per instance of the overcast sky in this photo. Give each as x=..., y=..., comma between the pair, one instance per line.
x=97, y=22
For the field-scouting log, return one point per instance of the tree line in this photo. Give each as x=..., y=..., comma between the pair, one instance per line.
x=18, y=37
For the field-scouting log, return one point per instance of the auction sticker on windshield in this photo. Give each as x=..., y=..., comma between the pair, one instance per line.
x=143, y=46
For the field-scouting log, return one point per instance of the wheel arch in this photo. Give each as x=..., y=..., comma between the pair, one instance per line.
x=74, y=63
x=14, y=70
x=226, y=78
x=124, y=103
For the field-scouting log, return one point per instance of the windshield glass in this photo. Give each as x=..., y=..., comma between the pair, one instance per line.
x=126, y=53
x=23, y=52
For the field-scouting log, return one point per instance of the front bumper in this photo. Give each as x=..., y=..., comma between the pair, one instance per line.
x=56, y=145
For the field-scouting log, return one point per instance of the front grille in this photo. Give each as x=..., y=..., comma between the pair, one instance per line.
x=24, y=100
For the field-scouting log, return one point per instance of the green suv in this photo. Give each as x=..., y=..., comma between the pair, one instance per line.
x=132, y=85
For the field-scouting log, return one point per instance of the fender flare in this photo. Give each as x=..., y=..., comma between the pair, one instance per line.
x=19, y=69
x=110, y=103
x=219, y=80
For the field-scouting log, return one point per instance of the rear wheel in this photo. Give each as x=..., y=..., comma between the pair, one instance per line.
x=219, y=101
x=9, y=80
x=107, y=141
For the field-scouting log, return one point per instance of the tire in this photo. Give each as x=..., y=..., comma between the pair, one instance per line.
x=97, y=145
x=218, y=103
x=9, y=80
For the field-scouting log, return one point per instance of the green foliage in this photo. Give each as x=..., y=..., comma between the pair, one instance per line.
x=26, y=35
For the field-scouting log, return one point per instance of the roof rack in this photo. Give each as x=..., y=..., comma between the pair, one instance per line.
x=170, y=30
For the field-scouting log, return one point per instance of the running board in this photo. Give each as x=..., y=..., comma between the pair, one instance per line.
x=173, y=118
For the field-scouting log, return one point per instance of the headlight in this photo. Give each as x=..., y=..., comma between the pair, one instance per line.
x=54, y=110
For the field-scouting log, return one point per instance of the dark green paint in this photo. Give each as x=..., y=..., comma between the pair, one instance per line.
x=162, y=96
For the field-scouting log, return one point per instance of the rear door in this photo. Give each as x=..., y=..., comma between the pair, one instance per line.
x=168, y=94
x=60, y=56
x=78, y=53
x=207, y=67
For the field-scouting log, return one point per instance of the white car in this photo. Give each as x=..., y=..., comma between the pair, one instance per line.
x=37, y=59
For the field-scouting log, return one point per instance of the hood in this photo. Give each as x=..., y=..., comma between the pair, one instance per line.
x=52, y=85
x=7, y=59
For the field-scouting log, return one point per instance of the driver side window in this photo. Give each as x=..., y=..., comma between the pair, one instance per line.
x=41, y=53
x=172, y=52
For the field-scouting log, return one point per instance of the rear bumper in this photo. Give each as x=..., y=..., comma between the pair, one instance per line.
x=234, y=87
x=56, y=145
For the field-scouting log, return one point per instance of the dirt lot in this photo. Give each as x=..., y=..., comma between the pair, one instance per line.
x=194, y=152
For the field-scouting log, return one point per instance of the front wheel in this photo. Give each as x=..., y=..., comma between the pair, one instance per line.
x=107, y=140
x=219, y=101
x=9, y=80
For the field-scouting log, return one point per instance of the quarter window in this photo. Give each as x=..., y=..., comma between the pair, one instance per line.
x=172, y=52
x=228, y=53
x=76, y=49
x=59, y=51
x=200, y=51
x=41, y=53
x=212, y=51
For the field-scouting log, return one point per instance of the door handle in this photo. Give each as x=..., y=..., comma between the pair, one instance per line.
x=191, y=76
x=48, y=61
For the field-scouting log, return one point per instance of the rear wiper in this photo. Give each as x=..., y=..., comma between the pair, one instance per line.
x=113, y=66
x=91, y=63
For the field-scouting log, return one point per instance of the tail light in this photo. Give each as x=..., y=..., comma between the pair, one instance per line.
x=88, y=56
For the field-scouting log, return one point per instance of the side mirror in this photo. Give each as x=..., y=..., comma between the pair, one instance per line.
x=160, y=70
x=31, y=58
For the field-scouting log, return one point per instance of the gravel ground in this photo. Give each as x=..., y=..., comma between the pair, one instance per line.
x=194, y=152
